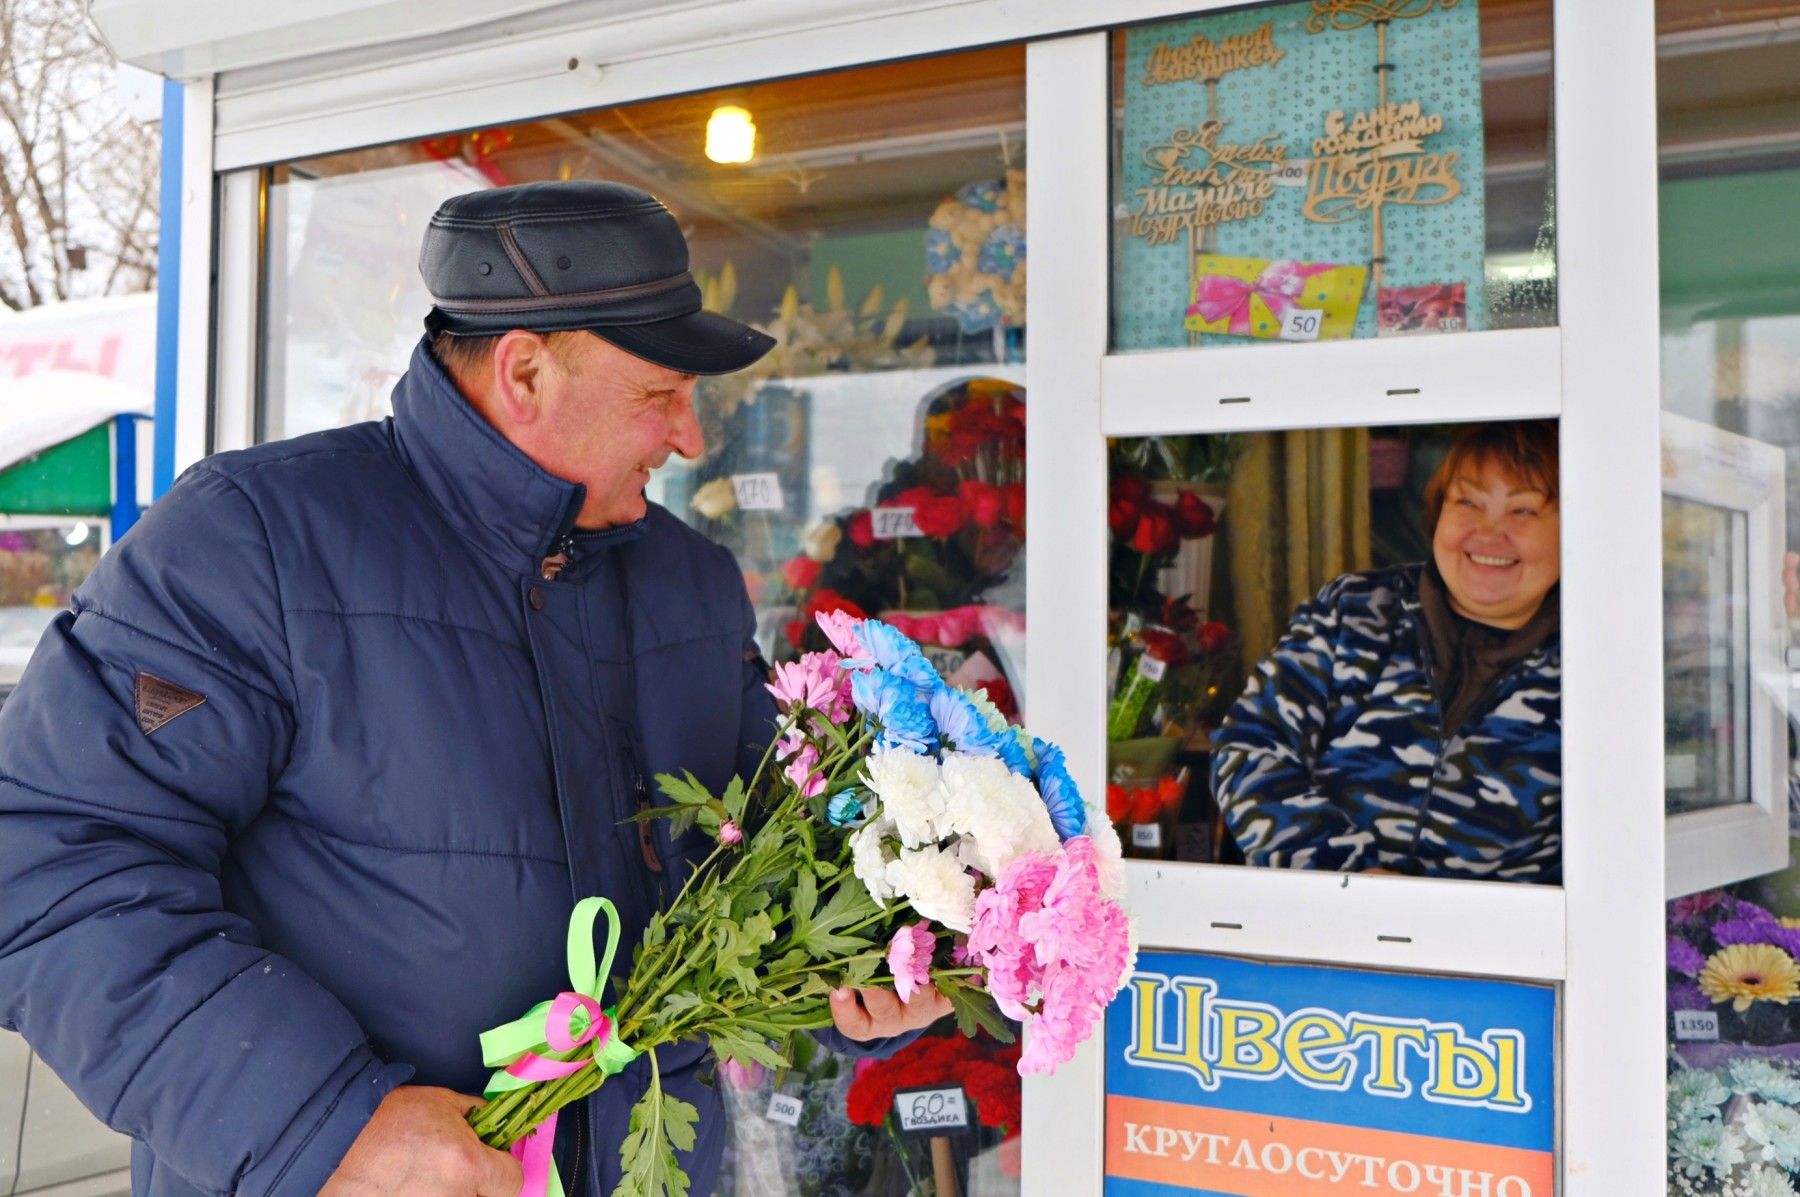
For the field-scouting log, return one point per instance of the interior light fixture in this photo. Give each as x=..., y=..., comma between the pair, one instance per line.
x=730, y=134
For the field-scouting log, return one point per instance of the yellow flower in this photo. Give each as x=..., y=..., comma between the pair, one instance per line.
x=1790, y=924
x=1750, y=972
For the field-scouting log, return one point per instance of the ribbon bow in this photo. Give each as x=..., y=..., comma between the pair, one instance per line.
x=566, y=1023
x=1217, y=296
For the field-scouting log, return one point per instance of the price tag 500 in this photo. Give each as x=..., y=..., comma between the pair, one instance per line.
x=785, y=1108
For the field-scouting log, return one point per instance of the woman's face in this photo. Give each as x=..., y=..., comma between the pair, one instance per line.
x=1498, y=545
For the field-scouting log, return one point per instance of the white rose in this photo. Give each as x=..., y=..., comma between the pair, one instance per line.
x=907, y=784
x=822, y=541
x=934, y=883
x=869, y=859
x=714, y=499
x=998, y=814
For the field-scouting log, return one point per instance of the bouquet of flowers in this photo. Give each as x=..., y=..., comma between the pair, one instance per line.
x=898, y=831
x=1734, y=1130
x=1731, y=955
x=984, y=1069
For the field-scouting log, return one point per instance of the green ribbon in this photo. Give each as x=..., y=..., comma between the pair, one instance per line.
x=527, y=1035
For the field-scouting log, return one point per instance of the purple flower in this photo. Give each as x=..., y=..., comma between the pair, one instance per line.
x=1685, y=958
x=1685, y=995
x=1745, y=930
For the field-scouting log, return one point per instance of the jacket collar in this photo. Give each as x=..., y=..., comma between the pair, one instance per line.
x=489, y=491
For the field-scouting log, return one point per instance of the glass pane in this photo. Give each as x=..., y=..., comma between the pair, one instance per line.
x=1728, y=84
x=1303, y=172
x=41, y=564
x=874, y=460
x=1339, y=649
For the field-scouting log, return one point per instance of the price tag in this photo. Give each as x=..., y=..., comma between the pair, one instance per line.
x=784, y=1108
x=1291, y=173
x=757, y=492
x=945, y=660
x=1152, y=668
x=932, y=1111
x=1147, y=835
x=1302, y=324
x=1134, y=623
x=893, y=523
x=1696, y=1024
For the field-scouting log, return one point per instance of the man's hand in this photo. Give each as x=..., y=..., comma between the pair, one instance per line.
x=865, y=1014
x=417, y=1145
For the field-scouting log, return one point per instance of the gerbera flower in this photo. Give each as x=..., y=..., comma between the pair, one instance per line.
x=1744, y=973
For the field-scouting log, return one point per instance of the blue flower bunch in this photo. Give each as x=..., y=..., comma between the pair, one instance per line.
x=909, y=706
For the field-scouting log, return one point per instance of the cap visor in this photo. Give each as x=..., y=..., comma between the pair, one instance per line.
x=699, y=343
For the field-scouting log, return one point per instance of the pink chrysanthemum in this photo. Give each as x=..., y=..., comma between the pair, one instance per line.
x=1054, y=948
x=800, y=771
x=730, y=833
x=909, y=959
x=815, y=682
x=840, y=628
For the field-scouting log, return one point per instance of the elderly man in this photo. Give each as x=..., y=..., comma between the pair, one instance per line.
x=299, y=796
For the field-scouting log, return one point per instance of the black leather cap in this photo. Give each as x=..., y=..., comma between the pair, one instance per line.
x=551, y=257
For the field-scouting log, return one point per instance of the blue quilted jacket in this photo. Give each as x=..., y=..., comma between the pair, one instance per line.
x=233, y=934
x=1336, y=757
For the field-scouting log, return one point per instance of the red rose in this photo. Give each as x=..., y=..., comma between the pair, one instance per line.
x=1125, y=505
x=1146, y=804
x=801, y=572
x=941, y=516
x=1169, y=793
x=1156, y=530
x=1164, y=646
x=986, y=505
x=795, y=631
x=830, y=600
x=1213, y=636
x=912, y=496
x=1014, y=495
x=862, y=529
x=1118, y=802
x=1193, y=518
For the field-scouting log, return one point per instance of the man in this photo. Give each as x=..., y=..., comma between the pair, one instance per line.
x=298, y=798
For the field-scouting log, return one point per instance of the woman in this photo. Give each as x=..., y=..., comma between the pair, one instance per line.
x=1411, y=719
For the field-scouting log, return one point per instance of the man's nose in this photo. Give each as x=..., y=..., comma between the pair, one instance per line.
x=685, y=436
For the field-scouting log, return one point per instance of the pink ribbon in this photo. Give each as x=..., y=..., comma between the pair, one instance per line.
x=536, y=1161
x=1280, y=284
x=561, y=1016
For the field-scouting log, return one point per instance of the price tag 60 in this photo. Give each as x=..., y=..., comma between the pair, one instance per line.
x=893, y=523
x=757, y=492
x=784, y=1108
x=1696, y=1024
x=932, y=1111
x=1302, y=324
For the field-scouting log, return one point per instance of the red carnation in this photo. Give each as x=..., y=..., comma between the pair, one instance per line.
x=1156, y=530
x=862, y=529
x=985, y=503
x=941, y=516
x=1193, y=517
x=801, y=572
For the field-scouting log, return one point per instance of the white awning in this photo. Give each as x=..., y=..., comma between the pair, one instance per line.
x=53, y=406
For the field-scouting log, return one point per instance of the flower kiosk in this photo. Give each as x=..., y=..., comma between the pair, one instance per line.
x=1117, y=351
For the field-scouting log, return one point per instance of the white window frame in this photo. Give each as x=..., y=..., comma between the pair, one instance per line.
x=1714, y=847
x=1600, y=937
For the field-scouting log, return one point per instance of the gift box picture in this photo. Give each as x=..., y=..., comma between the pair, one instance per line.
x=1275, y=299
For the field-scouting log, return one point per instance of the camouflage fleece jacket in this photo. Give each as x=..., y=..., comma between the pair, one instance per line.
x=1336, y=757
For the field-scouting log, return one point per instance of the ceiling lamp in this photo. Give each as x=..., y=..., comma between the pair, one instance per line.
x=730, y=134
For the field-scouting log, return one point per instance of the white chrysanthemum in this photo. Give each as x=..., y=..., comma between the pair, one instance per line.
x=1109, y=854
x=936, y=885
x=1706, y=1146
x=1770, y=1182
x=1775, y=1129
x=907, y=784
x=1761, y=1078
x=869, y=857
x=998, y=813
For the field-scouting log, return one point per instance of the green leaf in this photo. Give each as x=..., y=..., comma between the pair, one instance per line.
x=735, y=799
x=659, y=1125
x=848, y=905
x=685, y=790
x=975, y=1010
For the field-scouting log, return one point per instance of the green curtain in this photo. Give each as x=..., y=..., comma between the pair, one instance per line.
x=1296, y=516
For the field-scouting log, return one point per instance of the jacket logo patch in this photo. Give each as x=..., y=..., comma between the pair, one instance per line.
x=160, y=700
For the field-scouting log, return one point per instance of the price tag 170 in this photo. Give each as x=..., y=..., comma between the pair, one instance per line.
x=1302, y=324
x=784, y=1108
x=932, y=1111
x=893, y=523
x=757, y=492
x=1696, y=1024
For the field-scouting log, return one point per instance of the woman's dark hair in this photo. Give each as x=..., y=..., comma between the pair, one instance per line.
x=1525, y=450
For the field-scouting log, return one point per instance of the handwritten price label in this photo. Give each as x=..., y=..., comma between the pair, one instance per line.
x=932, y=1111
x=1301, y=324
x=757, y=492
x=1696, y=1024
x=893, y=523
x=784, y=1108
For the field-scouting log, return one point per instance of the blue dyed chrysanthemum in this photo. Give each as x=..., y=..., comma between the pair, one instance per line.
x=1068, y=814
x=894, y=652
x=961, y=723
x=892, y=704
x=845, y=809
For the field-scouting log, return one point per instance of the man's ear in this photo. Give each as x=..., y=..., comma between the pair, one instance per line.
x=521, y=364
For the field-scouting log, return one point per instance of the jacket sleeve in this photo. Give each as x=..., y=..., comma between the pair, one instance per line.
x=758, y=705
x=118, y=962
x=1263, y=753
